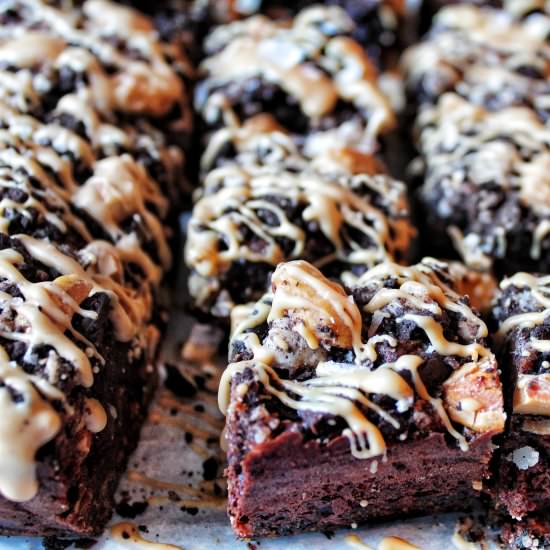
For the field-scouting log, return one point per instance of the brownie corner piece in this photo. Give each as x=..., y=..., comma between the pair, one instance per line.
x=345, y=406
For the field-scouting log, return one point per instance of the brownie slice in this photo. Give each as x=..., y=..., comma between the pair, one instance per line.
x=92, y=110
x=378, y=24
x=348, y=406
x=485, y=55
x=523, y=336
x=480, y=82
x=308, y=73
x=253, y=215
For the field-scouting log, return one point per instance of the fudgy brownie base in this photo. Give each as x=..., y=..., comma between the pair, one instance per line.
x=291, y=484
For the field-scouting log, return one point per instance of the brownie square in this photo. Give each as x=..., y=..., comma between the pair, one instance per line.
x=345, y=406
x=92, y=113
x=307, y=73
x=479, y=83
x=259, y=211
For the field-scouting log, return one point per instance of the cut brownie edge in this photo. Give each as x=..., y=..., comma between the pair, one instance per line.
x=288, y=485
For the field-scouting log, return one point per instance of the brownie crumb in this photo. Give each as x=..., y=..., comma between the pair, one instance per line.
x=177, y=383
x=191, y=510
x=210, y=469
x=129, y=510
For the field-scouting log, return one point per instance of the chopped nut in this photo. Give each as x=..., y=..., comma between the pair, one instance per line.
x=318, y=307
x=532, y=394
x=473, y=396
x=78, y=289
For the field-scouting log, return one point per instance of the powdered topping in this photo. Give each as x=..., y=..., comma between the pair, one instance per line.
x=327, y=318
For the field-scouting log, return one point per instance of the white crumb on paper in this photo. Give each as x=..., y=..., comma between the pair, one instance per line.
x=524, y=457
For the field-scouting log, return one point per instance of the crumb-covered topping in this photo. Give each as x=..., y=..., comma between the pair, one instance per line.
x=487, y=56
x=486, y=173
x=109, y=51
x=310, y=66
x=523, y=312
x=85, y=167
x=264, y=214
x=398, y=354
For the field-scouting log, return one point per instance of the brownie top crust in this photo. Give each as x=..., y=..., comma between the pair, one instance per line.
x=86, y=99
x=487, y=56
x=261, y=214
x=316, y=77
x=398, y=356
x=523, y=313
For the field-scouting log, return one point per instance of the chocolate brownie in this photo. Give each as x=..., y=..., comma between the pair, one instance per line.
x=378, y=24
x=523, y=316
x=487, y=56
x=480, y=82
x=346, y=406
x=308, y=74
x=92, y=106
x=253, y=215
x=485, y=188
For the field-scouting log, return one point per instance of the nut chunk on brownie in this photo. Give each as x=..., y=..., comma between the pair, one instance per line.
x=253, y=215
x=308, y=74
x=348, y=406
x=523, y=313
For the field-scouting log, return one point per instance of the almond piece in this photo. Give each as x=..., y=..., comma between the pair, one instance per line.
x=532, y=394
x=473, y=396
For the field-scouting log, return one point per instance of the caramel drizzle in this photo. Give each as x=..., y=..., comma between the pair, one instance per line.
x=336, y=388
x=297, y=58
x=239, y=193
x=25, y=427
x=118, y=188
x=539, y=288
x=127, y=534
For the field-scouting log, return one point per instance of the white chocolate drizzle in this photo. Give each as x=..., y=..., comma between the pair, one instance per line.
x=326, y=316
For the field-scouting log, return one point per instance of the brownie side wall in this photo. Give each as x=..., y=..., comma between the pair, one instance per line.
x=78, y=472
x=288, y=485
